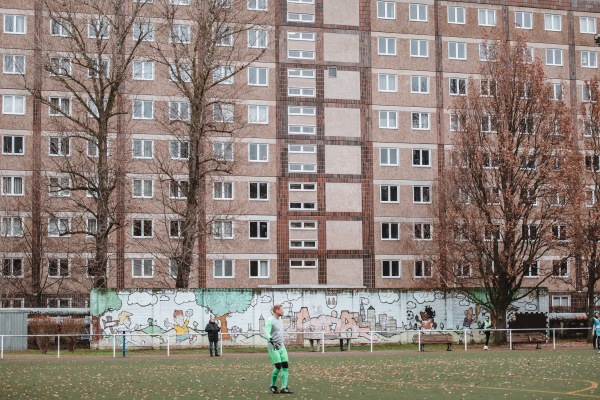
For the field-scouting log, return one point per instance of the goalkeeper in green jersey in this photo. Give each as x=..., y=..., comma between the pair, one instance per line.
x=277, y=352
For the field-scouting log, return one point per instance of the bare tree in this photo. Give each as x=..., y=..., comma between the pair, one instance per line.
x=588, y=215
x=505, y=199
x=88, y=61
x=204, y=48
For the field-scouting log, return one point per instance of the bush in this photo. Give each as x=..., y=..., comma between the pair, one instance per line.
x=70, y=326
x=43, y=325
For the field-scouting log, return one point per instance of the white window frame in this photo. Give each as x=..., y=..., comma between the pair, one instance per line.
x=178, y=188
x=59, y=106
x=589, y=59
x=391, y=267
x=98, y=28
x=260, y=271
x=13, y=64
x=59, y=227
x=257, y=5
x=425, y=266
x=179, y=149
x=261, y=187
x=142, y=149
x=387, y=83
x=258, y=114
x=303, y=263
x=302, y=187
x=587, y=25
x=300, y=17
x=143, y=265
x=424, y=194
x=385, y=122
x=303, y=225
x=416, y=82
x=142, y=109
x=303, y=244
x=307, y=205
x=179, y=111
x=387, y=154
x=457, y=48
x=386, y=46
x=301, y=73
x=386, y=9
x=59, y=267
x=551, y=57
x=553, y=22
x=389, y=194
x=222, y=151
x=143, y=185
x=260, y=151
x=11, y=226
x=423, y=121
x=523, y=20
x=423, y=231
x=222, y=229
x=258, y=76
x=224, y=265
x=13, y=185
x=145, y=29
x=529, y=269
x=456, y=15
x=223, y=190
x=258, y=38
x=257, y=226
x=486, y=17
x=60, y=27
x=143, y=223
x=181, y=34
x=10, y=147
x=417, y=49
x=457, y=86
x=143, y=70
x=57, y=184
x=419, y=156
x=18, y=25
x=59, y=146
x=417, y=12
x=7, y=267
x=13, y=104
x=302, y=36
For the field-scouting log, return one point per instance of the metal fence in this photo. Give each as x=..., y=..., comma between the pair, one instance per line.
x=121, y=343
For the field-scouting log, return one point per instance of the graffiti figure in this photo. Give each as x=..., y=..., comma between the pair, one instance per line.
x=182, y=332
x=125, y=328
x=467, y=322
x=427, y=318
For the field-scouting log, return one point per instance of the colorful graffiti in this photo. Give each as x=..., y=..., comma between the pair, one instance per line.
x=151, y=317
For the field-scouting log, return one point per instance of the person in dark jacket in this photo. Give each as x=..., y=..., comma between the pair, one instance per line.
x=213, y=336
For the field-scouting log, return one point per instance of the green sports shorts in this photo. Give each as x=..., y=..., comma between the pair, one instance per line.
x=278, y=356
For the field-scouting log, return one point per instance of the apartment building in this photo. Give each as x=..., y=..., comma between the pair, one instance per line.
x=346, y=126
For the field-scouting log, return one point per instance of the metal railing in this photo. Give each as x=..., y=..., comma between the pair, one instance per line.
x=299, y=338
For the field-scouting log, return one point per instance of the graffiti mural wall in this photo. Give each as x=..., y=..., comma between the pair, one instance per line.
x=153, y=317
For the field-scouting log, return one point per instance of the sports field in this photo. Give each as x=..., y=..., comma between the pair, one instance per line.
x=434, y=374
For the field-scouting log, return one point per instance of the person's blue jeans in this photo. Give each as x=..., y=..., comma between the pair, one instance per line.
x=213, y=345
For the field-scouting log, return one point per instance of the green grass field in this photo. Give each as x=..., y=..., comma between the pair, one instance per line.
x=434, y=374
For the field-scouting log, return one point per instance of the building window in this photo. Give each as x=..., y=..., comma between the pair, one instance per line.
x=456, y=15
x=308, y=205
x=58, y=268
x=299, y=167
x=487, y=52
x=560, y=268
x=554, y=57
x=142, y=148
x=223, y=190
x=180, y=33
x=15, y=24
x=418, y=12
x=257, y=5
x=180, y=72
x=419, y=84
x=589, y=59
x=523, y=20
x=13, y=104
x=421, y=158
x=487, y=124
x=259, y=229
x=388, y=156
x=59, y=106
x=301, y=92
x=223, y=112
x=301, y=73
x=388, y=193
x=561, y=301
x=60, y=66
x=463, y=271
x=258, y=114
x=304, y=36
x=386, y=46
x=59, y=227
x=179, y=111
x=143, y=188
x=419, y=48
x=259, y=268
x=178, y=189
x=13, y=145
x=303, y=244
x=303, y=263
x=592, y=162
x=420, y=120
x=60, y=27
x=303, y=225
x=530, y=232
x=222, y=229
x=98, y=28
x=142, y=268
x=302, y=187
x=223, y=151
x=386, y=10
x=390, y=231
x=390, y=268
x=552, y=22
x=457, y=51
x=388, y=83
x=99, y=68
x=587, y=25
x=301, y=54
x=12, y=268
x=298, y=17
x=12, y=227
x=299, y=110
x=530, y=270
x=176, y=229
x=423, y=231
x=91, y=227
x=258, y=191
x=143, y=109
x=223, y=269
x=258, y=76
x=302, y=129
x=257, y=38
x=173, y=267
x=388, y=119
x=143, y=31
x=421, y=194
x=59, y=187
x=487, y=17
x=12, y=185
x=258, y=152
x=179, y=150
x=223, y=75
x=422, y=269
x=143, y=70
x=559, y=232
x=14, y=64
x=142, y=228
x=458, y=86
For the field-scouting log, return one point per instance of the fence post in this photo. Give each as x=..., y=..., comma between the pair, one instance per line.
x=510, y=339
x=466, y=339
x=419, y=332
x=124, y=346
x=114, y=345
x=371, y=338
x=553, y=338
x=58, y=347
x=168, y=345
x=323, y=342
x=220, y=344
x=1, y=347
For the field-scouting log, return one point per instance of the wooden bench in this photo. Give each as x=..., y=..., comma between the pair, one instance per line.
x=444, y=338
x=528, y=337
x=315, y=340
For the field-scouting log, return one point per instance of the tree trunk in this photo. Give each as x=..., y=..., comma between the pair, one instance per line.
x=224, y=329
x=498, y=318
